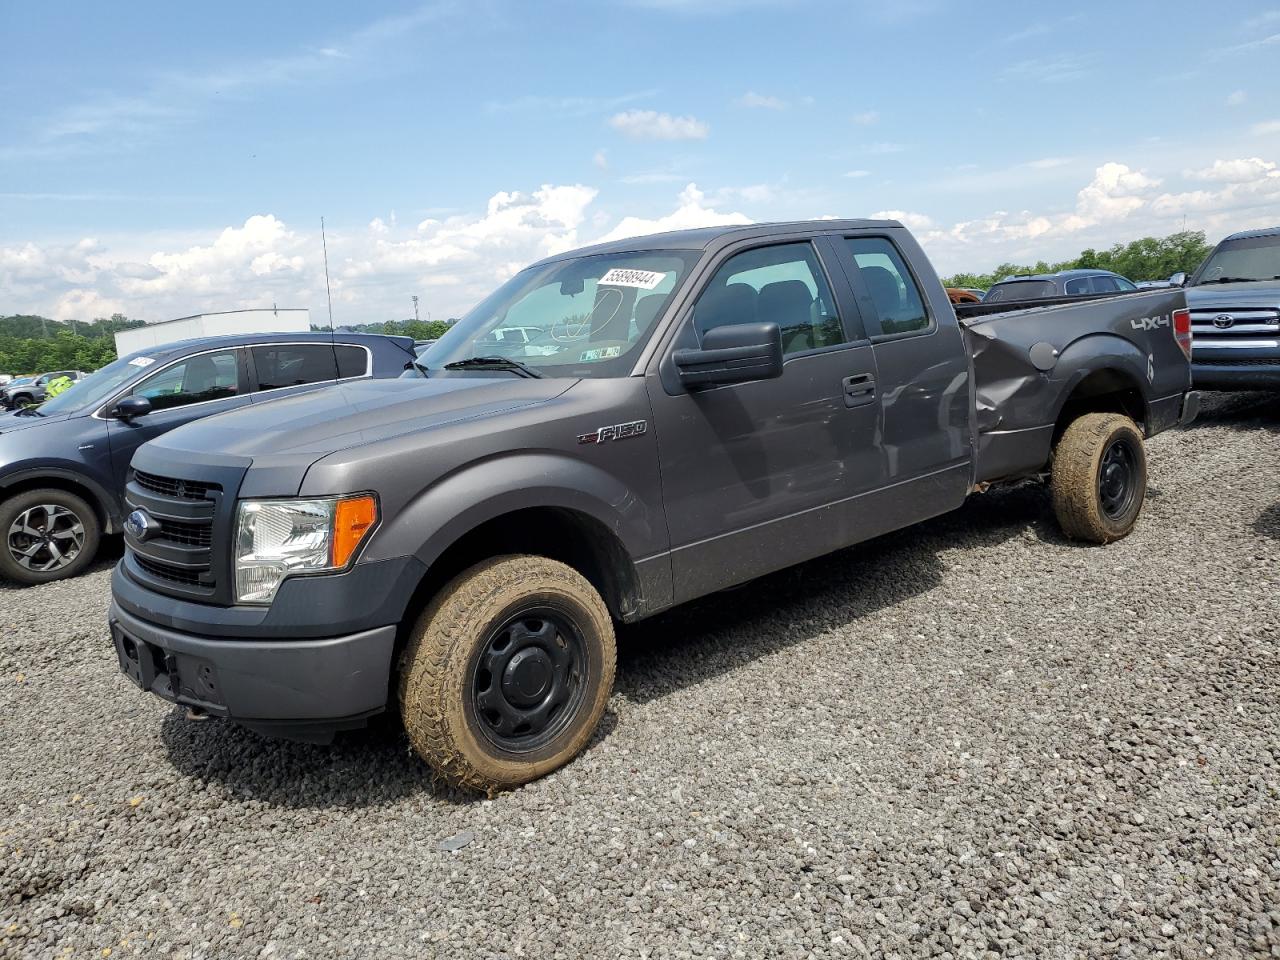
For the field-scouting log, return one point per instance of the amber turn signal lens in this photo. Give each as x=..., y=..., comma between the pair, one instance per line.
x=352, y=519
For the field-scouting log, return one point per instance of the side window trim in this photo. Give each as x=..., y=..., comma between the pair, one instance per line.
x=866, y=304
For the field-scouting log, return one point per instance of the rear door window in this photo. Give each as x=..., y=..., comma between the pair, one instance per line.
x=890, y=285
x=1077, y=286
x=293, y=364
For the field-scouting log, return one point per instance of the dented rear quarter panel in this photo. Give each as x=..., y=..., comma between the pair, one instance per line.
x=1130, y=335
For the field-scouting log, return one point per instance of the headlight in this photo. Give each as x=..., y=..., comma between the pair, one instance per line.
x=280, y=538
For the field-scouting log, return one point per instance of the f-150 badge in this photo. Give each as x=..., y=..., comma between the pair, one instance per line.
x=619, y=431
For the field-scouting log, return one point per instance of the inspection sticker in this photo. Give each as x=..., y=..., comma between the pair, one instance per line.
x=641, y=279
x=603, y=353
x=142, y=361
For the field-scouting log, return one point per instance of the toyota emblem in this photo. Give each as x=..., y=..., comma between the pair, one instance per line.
x=1223, y=321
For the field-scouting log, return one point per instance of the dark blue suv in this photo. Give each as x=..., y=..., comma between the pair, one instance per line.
x=63, y=464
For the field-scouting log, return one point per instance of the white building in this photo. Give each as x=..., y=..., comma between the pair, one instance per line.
x=269, y=320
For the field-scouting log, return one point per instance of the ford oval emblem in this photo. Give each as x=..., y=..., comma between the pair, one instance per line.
x=140, y=525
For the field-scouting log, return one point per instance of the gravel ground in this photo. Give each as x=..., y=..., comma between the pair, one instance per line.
x=968, y=739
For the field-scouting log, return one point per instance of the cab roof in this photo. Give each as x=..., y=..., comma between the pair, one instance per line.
x=707, y=238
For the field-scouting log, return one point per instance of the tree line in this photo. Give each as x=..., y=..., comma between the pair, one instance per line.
x=1150, y=258
x=35, y=344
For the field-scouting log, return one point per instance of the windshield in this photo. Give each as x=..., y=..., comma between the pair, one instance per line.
x=97, y=386
x=1255, y=258
x=1019, y=290
x=583, y=317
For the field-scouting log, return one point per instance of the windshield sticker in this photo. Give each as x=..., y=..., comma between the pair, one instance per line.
x=142, y=361
x=640, y=279
x=603, y=353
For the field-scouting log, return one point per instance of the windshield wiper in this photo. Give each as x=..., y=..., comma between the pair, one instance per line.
x=1232, y=280
x=494, y=363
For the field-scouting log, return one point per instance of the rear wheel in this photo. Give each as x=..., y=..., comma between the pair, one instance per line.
x=48, y=535
x=507, y=673
x=1099, y=477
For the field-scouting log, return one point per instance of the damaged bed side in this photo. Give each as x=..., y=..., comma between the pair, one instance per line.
x=1037, y=366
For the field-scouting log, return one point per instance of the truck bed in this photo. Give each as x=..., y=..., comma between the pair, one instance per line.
x=1031, y=358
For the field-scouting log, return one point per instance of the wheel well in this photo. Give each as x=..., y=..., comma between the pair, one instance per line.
x=575, y=539
x=1103, y=391
x=70, y=486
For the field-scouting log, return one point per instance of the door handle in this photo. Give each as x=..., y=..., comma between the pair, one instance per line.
x=859, y=389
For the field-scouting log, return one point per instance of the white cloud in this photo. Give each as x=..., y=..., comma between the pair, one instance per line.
x=601, y=159
x=880, y=149
x=1265, y=128
x=857, y=174
x=1048, y=163
x=915, y=221
x=866, y=118
x=1236, y=97
x=651, y=125
x=1235, y=171
x=692, y=212
x=760, y=101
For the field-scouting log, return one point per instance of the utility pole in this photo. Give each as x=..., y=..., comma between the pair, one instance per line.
x=414, y=298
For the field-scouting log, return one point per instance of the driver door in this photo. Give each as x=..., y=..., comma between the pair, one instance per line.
x=196, y=386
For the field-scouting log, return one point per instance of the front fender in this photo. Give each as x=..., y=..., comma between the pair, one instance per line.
x=107, y=502
x=481, y=491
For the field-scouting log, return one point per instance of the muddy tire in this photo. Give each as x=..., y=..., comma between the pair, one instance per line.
x=47, y=535
x=1099, y=477
x=507, y=672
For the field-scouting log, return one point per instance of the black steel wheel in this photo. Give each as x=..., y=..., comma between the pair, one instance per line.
x=528, y=680
x=1099, y=477
x=507, y=672
x=1117, y=476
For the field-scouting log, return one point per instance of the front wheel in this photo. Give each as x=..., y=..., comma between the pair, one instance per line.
x=507, y=672
x=1099, y=477
x=48, y=535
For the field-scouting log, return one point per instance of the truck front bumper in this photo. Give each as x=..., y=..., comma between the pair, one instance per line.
x=1252, y=373
x=304, y=689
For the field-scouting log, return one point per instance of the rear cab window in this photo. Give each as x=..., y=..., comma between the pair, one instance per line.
x=280, y=365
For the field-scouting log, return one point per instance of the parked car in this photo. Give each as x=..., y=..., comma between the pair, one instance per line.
x=1235, y=313
x=63, y=463
x=723, y=403
x=17, y=395
x=1065, y=283
x=1154, y=284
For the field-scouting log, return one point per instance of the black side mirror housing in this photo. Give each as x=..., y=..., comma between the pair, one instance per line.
x=735, y=353
x=130, y=407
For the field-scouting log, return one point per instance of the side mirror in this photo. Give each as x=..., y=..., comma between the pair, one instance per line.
x=734, y=353
x=1179, y=279
x=130, y=407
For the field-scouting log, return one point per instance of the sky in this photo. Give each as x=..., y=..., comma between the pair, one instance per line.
x=162, y=159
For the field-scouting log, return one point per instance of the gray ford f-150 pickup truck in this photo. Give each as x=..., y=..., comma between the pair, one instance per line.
x=693, y=410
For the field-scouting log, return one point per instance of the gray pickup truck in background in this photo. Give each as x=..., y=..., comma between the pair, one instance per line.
x=692, y=410
x=1234, y=298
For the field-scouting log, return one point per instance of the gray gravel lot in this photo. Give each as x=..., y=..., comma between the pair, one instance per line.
x=967, y=739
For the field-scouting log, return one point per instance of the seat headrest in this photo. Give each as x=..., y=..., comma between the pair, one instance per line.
x=647, y=308
x=721, y=306
x=786, y=303
x=883, y=287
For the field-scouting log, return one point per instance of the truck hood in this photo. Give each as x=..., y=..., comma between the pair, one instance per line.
x=1261, y=293
x=307, y=426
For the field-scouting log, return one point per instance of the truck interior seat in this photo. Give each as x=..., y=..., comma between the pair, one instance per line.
x=789, y=304
x=722, y=306
x=884, y=290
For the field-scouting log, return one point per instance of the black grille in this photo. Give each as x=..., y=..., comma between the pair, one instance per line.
x=166, y=571
x=1242, y=362
x=186, y=533
x=170, y=487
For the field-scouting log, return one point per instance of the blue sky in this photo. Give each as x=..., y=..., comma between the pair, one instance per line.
x=164, y=159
